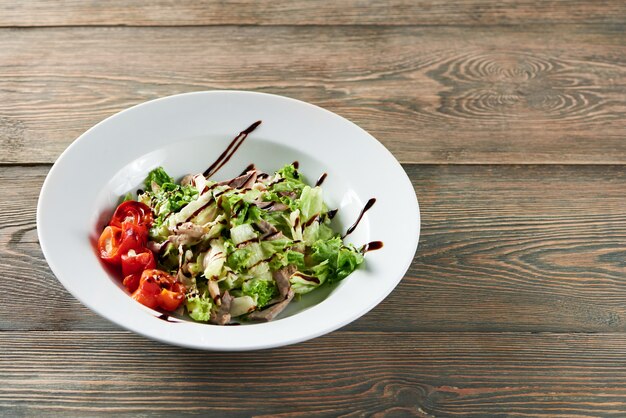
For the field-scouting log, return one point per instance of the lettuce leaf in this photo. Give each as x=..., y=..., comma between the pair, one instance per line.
x=261, y=290
x=311, y=202
x=199, y=308
x=342, y=259
x=158, y=176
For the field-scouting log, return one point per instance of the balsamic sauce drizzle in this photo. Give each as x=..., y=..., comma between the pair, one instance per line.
x=248, y=168
x=165, y=317
x=232, y=148
x=367, y=207
x=321, y=180
x=372, y=246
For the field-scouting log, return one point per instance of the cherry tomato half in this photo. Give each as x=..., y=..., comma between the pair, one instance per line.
x=134, y=212
x=137, y=262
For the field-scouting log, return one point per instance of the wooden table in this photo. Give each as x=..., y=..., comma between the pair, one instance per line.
x=508, y=116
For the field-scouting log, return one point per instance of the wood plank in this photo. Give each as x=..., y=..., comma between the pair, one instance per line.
x=503, y=248
x=343, y=374
x=545, y=94
x=305, y=12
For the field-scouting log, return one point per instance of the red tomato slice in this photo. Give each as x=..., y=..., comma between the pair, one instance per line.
x=134, y=212
x=137, y=262
x=131, y=282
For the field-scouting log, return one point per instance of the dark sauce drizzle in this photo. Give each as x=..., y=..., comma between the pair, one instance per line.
x=331, y=213
x=313, y=219
x=321, y=180
x=367, y=207
x=232, y=148
x=165, y=317
x=248, y=168
x=372, y=246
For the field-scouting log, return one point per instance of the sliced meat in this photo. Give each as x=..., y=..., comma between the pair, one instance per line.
x=282, y=279
x=222, y=315
x=278, y=207
x=191, y=229
x=186, y=281
x=157, y=247
x=186, y=180
x=271, y=206
x=250, y=181
x=271, y=312
x=266, y=229
x=186, y=233
x=291, y=195
x=242, y=182
x=274, y=236
x=178, y=240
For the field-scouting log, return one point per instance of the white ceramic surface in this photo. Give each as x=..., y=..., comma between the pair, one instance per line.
x=185, y=134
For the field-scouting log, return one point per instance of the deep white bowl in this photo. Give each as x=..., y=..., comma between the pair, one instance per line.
x=185, y=134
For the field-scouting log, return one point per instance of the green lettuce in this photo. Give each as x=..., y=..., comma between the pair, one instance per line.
x=342, y=259
x=199, y=308
x=261, y=290
x=158, y=176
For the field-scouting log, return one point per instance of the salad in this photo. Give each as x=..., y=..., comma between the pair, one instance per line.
x=236, y=250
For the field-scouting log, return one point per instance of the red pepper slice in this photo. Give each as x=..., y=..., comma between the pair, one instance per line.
x=148, y=291
x=115, y=242
x=169, y=300
x=137, y=262
x=131, y=282
x=109, y=244
x=159, y=289
x=134, y=212
x=134, y=237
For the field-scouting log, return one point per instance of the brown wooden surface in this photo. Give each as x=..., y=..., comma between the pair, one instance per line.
x=431, y=95
x=510, y=119
x=307, y=12
x=415, y=374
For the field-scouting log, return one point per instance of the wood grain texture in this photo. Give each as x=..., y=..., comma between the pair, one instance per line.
x=546, y=94
x=305, y=12
x=502, y=248
x=347, y=374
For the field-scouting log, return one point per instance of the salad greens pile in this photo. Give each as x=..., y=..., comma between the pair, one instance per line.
x=244, y=247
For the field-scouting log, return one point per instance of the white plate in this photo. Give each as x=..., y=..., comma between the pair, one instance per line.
x=185, y=134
